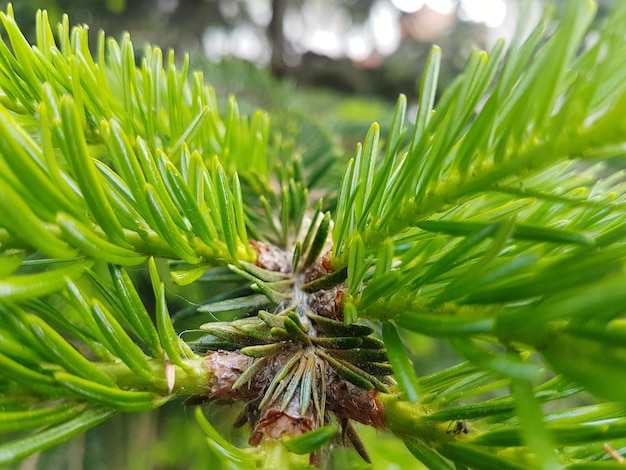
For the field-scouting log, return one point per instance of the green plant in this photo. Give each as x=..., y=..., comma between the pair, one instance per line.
x=494, y=222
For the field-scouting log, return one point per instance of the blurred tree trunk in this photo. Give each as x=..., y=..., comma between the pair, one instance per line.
x=277, y=38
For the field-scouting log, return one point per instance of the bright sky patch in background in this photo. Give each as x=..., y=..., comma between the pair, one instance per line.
x=326, y=28
x=489, y=12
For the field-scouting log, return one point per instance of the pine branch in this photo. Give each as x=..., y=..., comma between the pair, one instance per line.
x=494, y=223
x=454, y=158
